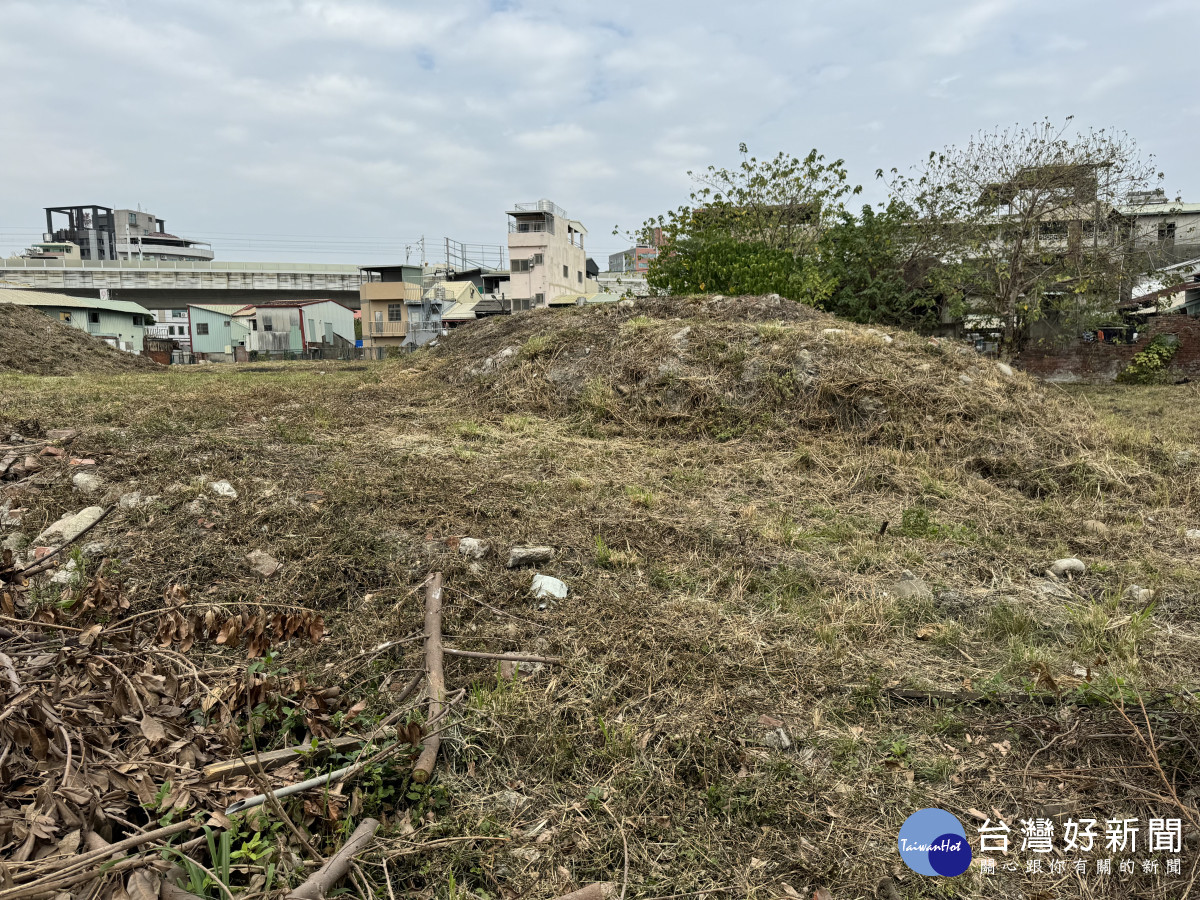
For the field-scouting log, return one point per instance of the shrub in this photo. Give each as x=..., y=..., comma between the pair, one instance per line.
x=1150, y=365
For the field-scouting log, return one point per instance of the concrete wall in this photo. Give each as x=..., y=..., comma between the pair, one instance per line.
x=1097, y=363
x=548, y=278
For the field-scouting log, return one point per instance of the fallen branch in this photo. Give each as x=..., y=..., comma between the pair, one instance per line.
x=74, y=869
x=509, y=657
x=325, y=878
x=435, y=682
x=274, y=759
x=44, y=562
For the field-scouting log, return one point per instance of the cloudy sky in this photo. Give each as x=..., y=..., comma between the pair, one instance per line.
x=344, y=130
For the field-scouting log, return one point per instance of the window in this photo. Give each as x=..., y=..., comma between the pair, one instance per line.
x=267, y=326
x=178, y=313
x=539, y=299
x=579, y=277
x=133, y=218
x=1166, y=232
x=538, y=259
x=395, y=312
x=566, y=271
x=94, y=318
x=226, y=323
x=202, y=328
x=254, y=324
x=520, y=265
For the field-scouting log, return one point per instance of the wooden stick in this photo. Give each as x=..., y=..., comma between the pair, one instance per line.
x=325, y=878
x=510, y=657
x=435, y=682
x=274, y=759
x=60, y=869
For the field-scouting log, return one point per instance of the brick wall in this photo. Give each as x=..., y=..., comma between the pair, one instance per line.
x=1099, y=363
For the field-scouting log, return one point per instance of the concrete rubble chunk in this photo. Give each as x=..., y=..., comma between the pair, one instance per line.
x=545, y=587
x=1192, y=536
x=1064, y=568
x=1005, y=369
x=263, y=563
x=66, y=435
x=529, y=556
x=778, y=739
x=130, y=500
x=223, y=488
x=910, y=587
x=68, y=574
x=70, y=526
x=94, y=549
x=15, y=542
x=1095, y=527
x=472, y=548
x=86, y=482
x=1138, y=594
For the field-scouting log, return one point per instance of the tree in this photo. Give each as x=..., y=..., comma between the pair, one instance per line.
x=753, y=229
x=1026, y=223
x=880, y=275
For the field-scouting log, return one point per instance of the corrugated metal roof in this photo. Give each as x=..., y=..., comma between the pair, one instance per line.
x=23, y=297
x=220, y=309
x=463, y=309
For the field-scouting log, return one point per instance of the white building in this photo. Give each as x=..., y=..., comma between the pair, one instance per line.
x=171, y=325
x=546, y=255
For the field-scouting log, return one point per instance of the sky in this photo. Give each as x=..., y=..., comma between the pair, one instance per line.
x=345, y=130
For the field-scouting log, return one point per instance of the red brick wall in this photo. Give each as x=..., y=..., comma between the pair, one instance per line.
x=1098, y=363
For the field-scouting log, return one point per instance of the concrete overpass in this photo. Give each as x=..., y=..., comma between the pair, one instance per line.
x=168, y=284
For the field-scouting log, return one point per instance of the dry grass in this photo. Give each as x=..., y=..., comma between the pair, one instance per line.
x=716, y=500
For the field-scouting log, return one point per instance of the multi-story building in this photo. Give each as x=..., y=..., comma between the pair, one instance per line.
x=384, y=298
x=634, y=261
x=1168, y=230
x=546, y=255
x=103, y=233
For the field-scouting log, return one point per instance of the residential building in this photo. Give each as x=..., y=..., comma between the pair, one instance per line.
x=546, y=255
x=304, y=327
x=215, y=333
x=171, y=325
x=119, y=323
x=456, y=302
x=53, y=250
x=384, y=296
x=634, y=261
x=1169, y=230
x=103, y=233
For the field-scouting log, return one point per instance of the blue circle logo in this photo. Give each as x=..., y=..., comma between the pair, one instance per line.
x=934, y=842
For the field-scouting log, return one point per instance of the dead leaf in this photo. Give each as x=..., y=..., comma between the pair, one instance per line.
x=141, y=885
x=769, y=721
x=152, y=729
x=928, y=632
x=90, y=634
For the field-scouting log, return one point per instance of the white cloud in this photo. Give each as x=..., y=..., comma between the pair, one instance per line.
x=359, y=117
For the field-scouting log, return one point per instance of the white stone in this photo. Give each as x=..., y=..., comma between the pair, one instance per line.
x=910, y=587
x=830, y=332
x=1138, y=594
x=545, y=587
x=223, y=488
x=15, y=542
x=1192, y=536
x=1061, y=568
x=964, y=378
x=68, y=574
x=263, y=563
x=1095, y=527
x=94, y=549
x=472, y=547
x=86, y=482
x=1005, y=369
x=70, y=526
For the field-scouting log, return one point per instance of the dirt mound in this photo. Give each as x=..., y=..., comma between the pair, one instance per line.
x=767, y=369
x=32, y=343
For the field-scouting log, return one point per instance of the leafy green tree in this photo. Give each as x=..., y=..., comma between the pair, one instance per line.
x=880, y=275
x=753, y=229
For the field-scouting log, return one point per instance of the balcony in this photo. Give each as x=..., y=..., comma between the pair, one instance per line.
x=385, y=329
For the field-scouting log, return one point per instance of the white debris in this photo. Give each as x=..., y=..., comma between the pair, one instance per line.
x=70, y=526
x=472, y=547
x=546, y=588
x=1061, y=568
x=223, y=488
